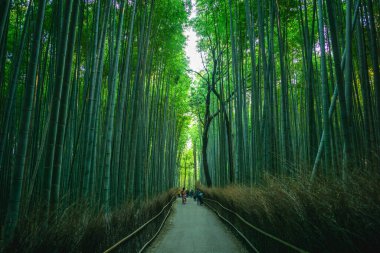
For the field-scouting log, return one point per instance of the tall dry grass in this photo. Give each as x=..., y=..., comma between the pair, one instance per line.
x=83, y=229
x=324, y=217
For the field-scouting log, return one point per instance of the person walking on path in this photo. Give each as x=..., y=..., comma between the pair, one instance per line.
x=199, y=197
x=183, y=194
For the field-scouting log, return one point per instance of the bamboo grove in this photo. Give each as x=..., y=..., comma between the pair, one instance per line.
x=289, y=87
x=95, y=105
x=91, y=103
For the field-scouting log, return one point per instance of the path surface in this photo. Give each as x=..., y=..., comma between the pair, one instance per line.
x=195, y=229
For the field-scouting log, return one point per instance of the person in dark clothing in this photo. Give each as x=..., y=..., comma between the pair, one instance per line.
x=199, y=197
x=183, y=194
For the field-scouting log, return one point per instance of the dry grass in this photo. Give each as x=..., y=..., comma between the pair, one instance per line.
x=83, y=229
x=324, y=217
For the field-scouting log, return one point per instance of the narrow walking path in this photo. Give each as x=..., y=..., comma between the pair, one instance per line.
x=195, y=229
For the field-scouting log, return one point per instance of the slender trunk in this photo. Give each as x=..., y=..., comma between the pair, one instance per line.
x=254, y=89
x=348, y=88
x=285, y=131
x=62, y=120
x=324, y=82
x=195, y=161
x=339, y=78
x=123, y=88
x=90, y=104
x=56, y=103
x=13, y=85
x=375, y=67
x=18, y=176
x=111, y=111
x=207, y=122
x=5, y=11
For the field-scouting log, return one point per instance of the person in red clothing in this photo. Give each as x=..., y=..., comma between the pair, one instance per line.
x=183, y=194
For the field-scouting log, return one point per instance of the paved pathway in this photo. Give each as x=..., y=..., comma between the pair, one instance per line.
x=195, y=229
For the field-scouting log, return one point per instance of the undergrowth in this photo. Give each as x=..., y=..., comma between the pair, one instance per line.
x=83, y=229
x=327, y=216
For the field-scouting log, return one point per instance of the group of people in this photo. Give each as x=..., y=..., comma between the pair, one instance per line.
x=198, y=196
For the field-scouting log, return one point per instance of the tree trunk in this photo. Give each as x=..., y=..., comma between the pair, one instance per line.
x=18, y=176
